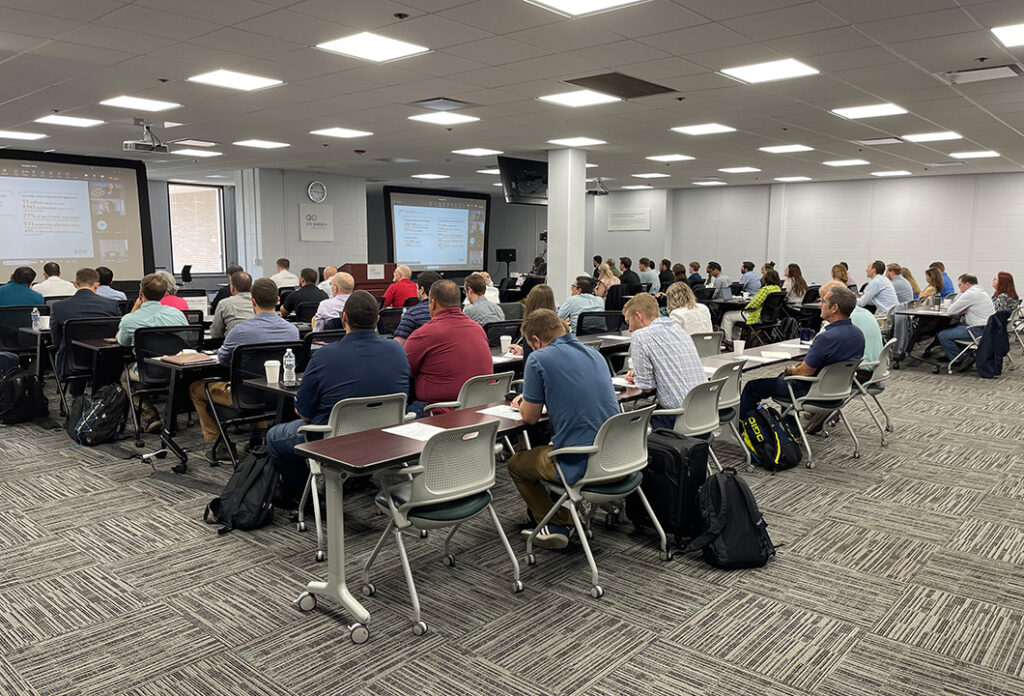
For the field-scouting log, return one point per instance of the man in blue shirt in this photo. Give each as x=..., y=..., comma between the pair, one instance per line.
x=18, y=291
x=86, y=303
x=839, y=342
x=582, y=300
x=360, y=364
x=879, y=292
x=572, y=380
x=947, y=283
x=104, y=290
x=266, y=327
x=748, y=279
x=419, y=314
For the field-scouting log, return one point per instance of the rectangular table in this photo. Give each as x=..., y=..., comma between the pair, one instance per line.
x=179, y=373
x=43, y=341
x=937, y=317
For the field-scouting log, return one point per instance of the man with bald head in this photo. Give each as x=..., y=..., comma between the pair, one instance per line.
x=401, y=288
x=342, y=285
x=863, y=320
x=325, y=284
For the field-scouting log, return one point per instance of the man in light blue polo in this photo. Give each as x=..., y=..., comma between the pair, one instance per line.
x=582, y=300
x=748, y=279
x=879, y=292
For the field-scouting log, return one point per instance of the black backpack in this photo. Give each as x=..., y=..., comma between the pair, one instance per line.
x=93, y=420
x=771, y=443
x=247, y=501
x=21, y=397
x=735, y=534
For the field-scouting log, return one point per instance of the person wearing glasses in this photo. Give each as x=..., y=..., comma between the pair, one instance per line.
x=582, y=300
x=976, y=306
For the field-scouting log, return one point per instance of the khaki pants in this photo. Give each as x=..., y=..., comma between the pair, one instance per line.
x=149, y=412
x=221, y=394
x=527, y=469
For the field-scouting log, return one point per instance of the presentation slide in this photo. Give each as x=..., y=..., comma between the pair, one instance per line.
x=438, y=230
x=73, y=213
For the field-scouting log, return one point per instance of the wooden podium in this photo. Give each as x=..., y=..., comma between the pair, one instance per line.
x=375, y=287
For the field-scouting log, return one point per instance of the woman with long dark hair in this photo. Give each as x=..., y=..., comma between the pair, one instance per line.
x=540, y=297
x=794, y=285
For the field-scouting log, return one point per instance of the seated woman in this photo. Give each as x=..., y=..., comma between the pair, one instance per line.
x=540, y=297
x=934, y=287
x=171, y=299
x=1005, y=298
x=683, y=309
x=605, y=279
x=839, y=273
x=751, y=314
x=905, y=272
x=794, y=285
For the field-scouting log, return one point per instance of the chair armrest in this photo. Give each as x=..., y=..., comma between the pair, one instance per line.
x=442, y=404
x=314, y=429
x=801, y=378
x=582, y=449
x=668, y=412
x=409, y=416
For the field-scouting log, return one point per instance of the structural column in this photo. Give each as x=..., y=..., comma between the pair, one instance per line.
x=567, y=198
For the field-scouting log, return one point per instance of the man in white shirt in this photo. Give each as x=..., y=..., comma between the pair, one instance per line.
x=342, y=285
x=325, y=284
x=904, y=292
x=284, y=278
x=976, y=306
x=879, y=293
x=54, y=285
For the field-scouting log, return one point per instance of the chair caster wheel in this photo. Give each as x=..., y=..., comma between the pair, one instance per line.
x=596, y=592
x=301, y=526
x=531, y=559
x=306, y=601
x=810, y=465
x=856, y=455
x=449, y=560
x=321, y=556
x=885, y=443
x=358, y=633
x=369, y=589
x=419, y=628
x=750, y=468
x=140, y=444
x=666, y=556
x=424, y=534
x=890, y=429
x=517, y=587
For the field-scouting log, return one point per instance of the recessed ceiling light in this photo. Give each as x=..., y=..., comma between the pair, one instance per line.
x=773, y=70
x=974, y=154
x=651, y=175
x=577, y=142
x=235, y=80
x=374, y=47
x=341, y=133
x=172, y=124
x=188, y=152
x=897, y=172
x=638, y=187
x=871, y=142
x=703, y=129
x=263, y=144
x=444, y=118
x=582, y=97
x=931, y=137
x=790, y=179
x=17, y=135
x=139, y=103
x=488, y=171
x=783, y=149
x=739, y=170
x=217, y=176
x=430, y=176
x=577, y=8
x=477, y=152
x=497, y=183
x=869, y=111
x=192, y=142
x=590, y=165
x=1010, y=35
x=709, y=183
x=845, y=163
x=670, y=158
x=58, y=120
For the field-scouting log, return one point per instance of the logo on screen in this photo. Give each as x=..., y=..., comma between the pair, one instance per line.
x=311, y=218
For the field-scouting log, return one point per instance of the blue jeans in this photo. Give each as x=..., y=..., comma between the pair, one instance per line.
x=949, y=337
x=758, y=390
x=281, y=442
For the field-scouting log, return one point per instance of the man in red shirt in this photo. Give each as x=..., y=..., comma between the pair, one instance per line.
x=447, y=350
x=401, y=288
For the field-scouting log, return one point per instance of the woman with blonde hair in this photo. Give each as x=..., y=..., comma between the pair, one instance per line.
x=540, y=297
x=683, y=309
x=905, y=272
x=605, y=279
x=839, y=273
x=934, y=277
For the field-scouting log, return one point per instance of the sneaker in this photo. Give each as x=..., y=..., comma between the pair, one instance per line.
x=551, y=536
x=154, y=426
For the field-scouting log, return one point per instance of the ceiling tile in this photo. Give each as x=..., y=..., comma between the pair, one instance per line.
x=434, y=32
x=695, y=39
x=84, y=54
x=564, y=36
x=297, y=27
x=648, y=18
x=556, y=67
x=81, y=10
x=655, y=70
x=496, y=50
x=440, y=63
x=202, y=57
x=224, y=12
x=785, y=22
x=246, y=43
x=999, y=13
x=619, y=53
x=16, y=43
x=501, y=16
x=34, y=24
x=920, y=26
x=156, y=23
x=817, y=42
x=733, y=56
x=492, y=77
x=871, y=10
x=857, y=58
x=724, y=9
x=363, y=16
x=103, y=37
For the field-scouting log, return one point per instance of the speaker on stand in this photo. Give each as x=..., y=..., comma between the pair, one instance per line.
x=506, y=256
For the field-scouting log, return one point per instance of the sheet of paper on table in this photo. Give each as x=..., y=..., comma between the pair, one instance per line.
x=776, y=354
x=501, y=411
x=757, y=358
x=709, y=370
x=621, y=382
x=616, y=337
x=414, y=431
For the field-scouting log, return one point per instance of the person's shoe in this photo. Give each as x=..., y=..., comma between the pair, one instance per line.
x=219, y=451
x=154, y=426
x=551, y=536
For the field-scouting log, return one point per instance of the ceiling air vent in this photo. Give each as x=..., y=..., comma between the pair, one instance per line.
x=442, y=104
x=994, y=72
x=621, y=86
x=946, y=164
x=397, y=160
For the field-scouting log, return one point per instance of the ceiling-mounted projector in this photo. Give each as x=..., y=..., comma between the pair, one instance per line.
x=148, y=143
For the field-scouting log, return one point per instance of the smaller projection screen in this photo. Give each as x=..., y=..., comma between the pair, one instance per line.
x=437, y=230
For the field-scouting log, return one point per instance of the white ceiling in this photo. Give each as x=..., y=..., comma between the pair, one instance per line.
x=68, y=55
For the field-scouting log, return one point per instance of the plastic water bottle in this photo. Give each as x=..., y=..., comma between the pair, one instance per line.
x=35, y=318
x=289, y=366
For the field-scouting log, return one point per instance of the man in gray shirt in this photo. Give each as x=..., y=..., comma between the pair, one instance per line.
x=235, y=309
x=649, y=275
x=904, y=292
x=718, y=280
x=480, y=309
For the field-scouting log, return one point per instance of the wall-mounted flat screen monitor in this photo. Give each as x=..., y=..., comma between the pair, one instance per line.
x=437, y=230
x=524, y=181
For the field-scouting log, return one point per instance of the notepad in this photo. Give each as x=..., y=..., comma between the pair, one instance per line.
x=502, y=411
x=776, y=354
x=415, y=431
x=621, y=382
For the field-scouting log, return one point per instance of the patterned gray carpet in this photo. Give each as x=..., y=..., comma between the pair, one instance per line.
x=902, y=573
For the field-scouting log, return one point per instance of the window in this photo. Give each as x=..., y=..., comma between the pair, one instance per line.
x=197, y=227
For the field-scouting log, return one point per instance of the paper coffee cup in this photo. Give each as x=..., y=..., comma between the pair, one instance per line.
x=273, y=368
x=738, y=346
x=506, y=343
x=44, y=322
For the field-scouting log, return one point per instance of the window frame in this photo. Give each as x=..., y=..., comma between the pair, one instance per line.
x=222, y=222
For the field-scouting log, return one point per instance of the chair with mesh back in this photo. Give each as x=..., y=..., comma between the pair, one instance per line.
x=496, y=329
x=388, y=320
x=513, y=310
x=708, y=344
x=830, y=390
x=729, y=399
x=193, y=316
x=313, y=342
x=451, y=484
x=699, y=414
x=54, y=299
x=480, y=391
x=615, y=464
x=812, y=295
x=125, y=306
x=78, y=362
x=155, y=342
x=305, y=311
x=768, y=328
x=599, y=323
x=192, y=292
x=1015, y=325
x=12, y=320
x=704, y=294
x=875, y=385
x=411, y=301
x=347, y=416
x=615, y=298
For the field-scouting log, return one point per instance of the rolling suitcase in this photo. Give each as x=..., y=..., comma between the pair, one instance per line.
x=677, y=465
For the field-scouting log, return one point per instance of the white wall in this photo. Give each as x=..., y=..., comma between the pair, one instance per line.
x=655, y=243
x=515, y=227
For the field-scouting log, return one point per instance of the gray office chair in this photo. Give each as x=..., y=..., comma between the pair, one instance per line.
x=451, y=483
x=480, y=391
x=698, y=416
x=873, y=386
x=729, y=401
x=830, y=390
x=708, y=344
x=347, y=416
x=615, y=466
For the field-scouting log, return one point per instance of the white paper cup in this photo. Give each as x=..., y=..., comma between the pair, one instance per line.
x=273, y=368
x=44, y=322
x=738, y=346
x=506, y=343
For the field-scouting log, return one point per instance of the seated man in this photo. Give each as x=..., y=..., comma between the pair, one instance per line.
x=748, y=279
x=879, y=292
x=665, y=275
x=447, y=350
x=718, y=280
x=342, y=285
x=868, y=325
x=582, y=300
x=104, y=290
x=904, y=291
x=839, y=342
x=664, y=357
x=224, y=292
x=53, y=285
x=307, y=292
x=148, y=312
x=402, y=287
x=17, y=292
x=572, y=380
x=694, y=278
x=480, y=309
x=419, y=314
x=360, y=364
x=629, y=278
x=325, y=284
x=235, y=309
x=85, y=303
x=265, y=326
x=284, y=278
x=976, y=306
x=649, y=275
